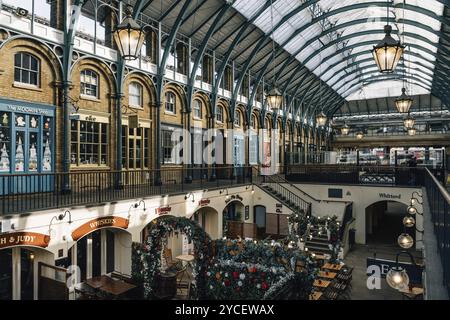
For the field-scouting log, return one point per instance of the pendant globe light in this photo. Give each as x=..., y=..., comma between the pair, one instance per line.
x=129, y=36
x=345, y=130
x=388, y=51
x=274, y=97
x=321, y=119
x=397, y=278
x=409, y=221
x=409, y=122
x=404, y=102
x=405, y=241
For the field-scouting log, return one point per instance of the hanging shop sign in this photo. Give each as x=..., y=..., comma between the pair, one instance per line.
x=204, y=202
x=247, y=212
x=24, y=239
x=163, y=210
x=383, y=266
x=103, y=222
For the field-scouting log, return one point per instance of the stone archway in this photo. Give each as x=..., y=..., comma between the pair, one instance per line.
x=384, y=222
x=147, y=256
x=208, y=219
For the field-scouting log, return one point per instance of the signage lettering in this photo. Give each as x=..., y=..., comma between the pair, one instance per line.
x=163, y=210
x=29, y=110
x=414, y=272
x=110, y=221
x=204, y=202
x=234, y=197
x=389, y=196
x=24, y=238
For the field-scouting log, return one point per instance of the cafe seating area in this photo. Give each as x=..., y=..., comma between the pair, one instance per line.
x=333, y=282
x=115, y=286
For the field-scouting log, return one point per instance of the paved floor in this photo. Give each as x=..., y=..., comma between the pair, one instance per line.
x=356, y=258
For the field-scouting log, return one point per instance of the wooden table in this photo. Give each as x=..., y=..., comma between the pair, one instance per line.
x=185, y=257
x=315, y=296
x=109, y=285
x=412, y=293
x=327, y=275
x=321, y=283
x=330, y=266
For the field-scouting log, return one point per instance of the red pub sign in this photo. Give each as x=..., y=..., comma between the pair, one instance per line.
x=163, y=210
x=204, y=202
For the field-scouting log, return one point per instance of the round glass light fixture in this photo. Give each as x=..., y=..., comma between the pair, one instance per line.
x=345, y=130
x=414, y=201
x=411, y=131
x=397, y=278
x=129, y=36
x=409, y=122
x=404, y=102
x=409, y=221
x=387, y=52
x=274, y=99
x=321, y=119
x=405, y=241
x=359, y=135
x=411, y=210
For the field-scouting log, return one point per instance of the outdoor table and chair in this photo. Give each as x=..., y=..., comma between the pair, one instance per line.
x=102, y=287
x=412, y=293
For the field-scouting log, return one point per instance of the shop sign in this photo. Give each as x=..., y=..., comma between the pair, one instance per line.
x=25, y=109
x=234, y=197
x=204, y=202
x=103, y=222
x=247, y=212
x=24, y=239
x=414, y=272
x=389, y=196
x=163, y=210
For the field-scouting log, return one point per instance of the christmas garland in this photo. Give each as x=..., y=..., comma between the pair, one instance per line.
x=147, y=261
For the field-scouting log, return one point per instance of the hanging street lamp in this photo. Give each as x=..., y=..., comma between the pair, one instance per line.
x=411, y=131
x=345, y=130
x=397, y=277
x=321, y=119
x=409, y=122
x=388, y=51
x=404, y=102
x=274, y=99
x=405, y=241
x=129, y=36
x=409, y=221
x=359, y=135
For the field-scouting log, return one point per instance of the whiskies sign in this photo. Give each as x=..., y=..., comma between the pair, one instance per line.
x=103, y=222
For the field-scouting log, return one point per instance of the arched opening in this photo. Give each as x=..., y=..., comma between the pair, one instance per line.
x=233, y=217
x=260, y=220
x=19, y=271
x=102, y=251
x=208, y=219
x=384, y=223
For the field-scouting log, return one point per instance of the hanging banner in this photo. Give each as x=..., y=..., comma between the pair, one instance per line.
x=24, y=239
x=103, y=222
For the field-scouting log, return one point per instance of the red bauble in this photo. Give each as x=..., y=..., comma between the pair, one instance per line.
x=235, y=274
x=264, y=286
x=227, y=283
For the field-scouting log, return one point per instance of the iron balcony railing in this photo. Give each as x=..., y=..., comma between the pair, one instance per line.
x=360, y=175
x=439, y=202
x=21, y=193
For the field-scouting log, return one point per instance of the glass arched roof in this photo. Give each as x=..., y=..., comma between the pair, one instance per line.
x=333, y=39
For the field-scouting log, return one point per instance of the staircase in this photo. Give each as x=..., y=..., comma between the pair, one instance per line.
x=318, y=244
x=284, y=195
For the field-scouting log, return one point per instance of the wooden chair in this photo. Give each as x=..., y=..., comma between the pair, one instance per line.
x=183, y=283
x=167, y=254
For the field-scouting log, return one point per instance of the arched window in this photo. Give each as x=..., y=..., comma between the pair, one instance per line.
x=89, y=83
x=197, y=109
x=237, y=118
x=219, y=114
x=135, y=94
x=170, y=102
x=26, y=68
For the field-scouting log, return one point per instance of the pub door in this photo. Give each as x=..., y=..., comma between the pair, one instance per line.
x=18, y=274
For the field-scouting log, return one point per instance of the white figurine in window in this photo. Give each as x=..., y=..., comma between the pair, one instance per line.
x=20, y=121
x=33, y=122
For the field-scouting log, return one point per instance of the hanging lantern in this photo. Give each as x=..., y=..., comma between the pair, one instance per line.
x=129, y=36
x=411, y=210
x=321, y=119
x=411, y=131
x=409, y=122
x=274, y=99
x=405, y=241
x=404, y=102
x=359, y=135
x=387, y=52
x=345, y=130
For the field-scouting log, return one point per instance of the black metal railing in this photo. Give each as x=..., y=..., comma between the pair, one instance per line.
x=20, y=193
x=439, y=202
x=360, y=175
x=284, y=195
